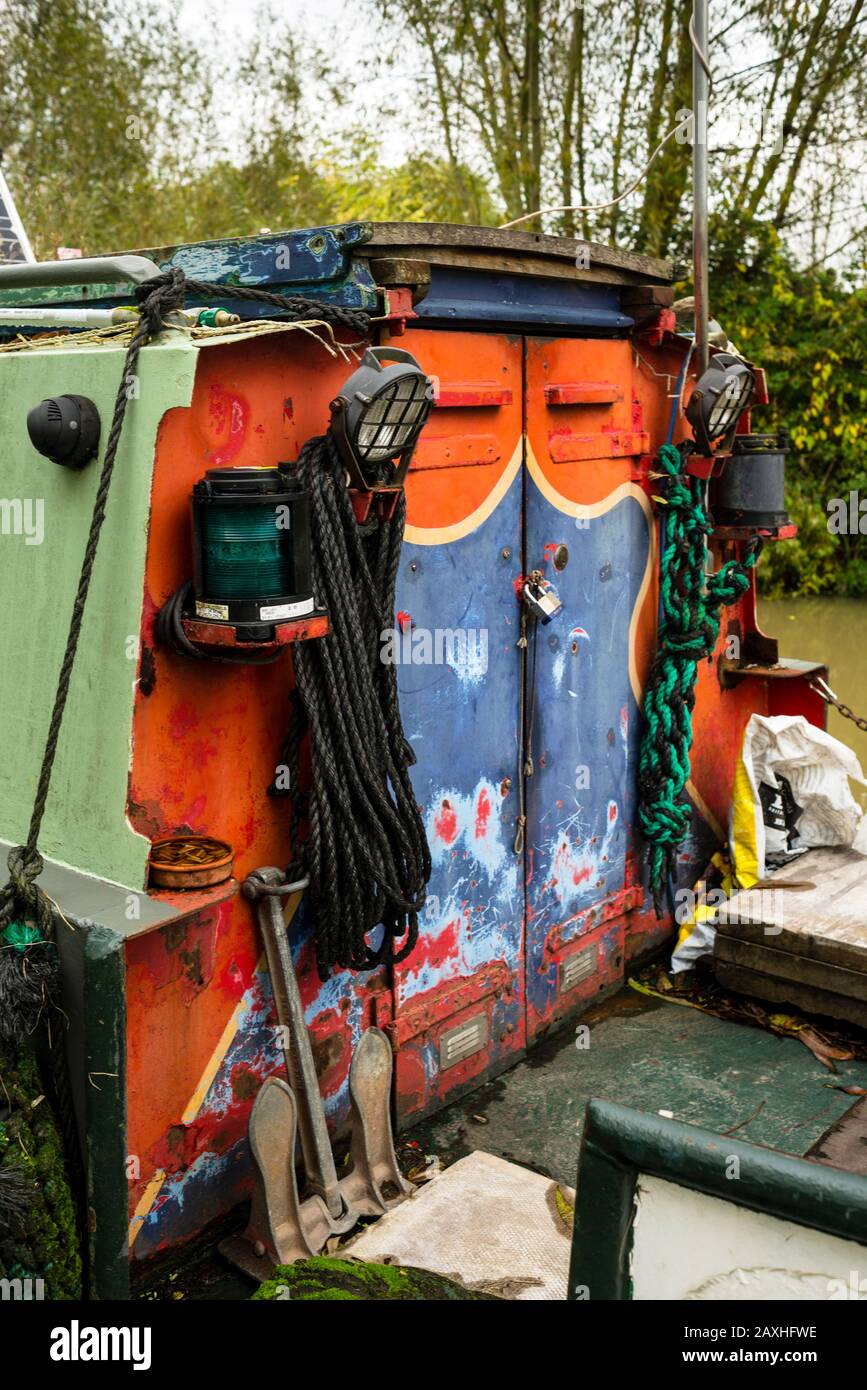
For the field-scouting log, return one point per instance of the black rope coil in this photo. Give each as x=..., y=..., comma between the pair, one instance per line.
x=365, y=850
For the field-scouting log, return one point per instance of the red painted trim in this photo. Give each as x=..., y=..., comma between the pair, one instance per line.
x=566, y=447
x=437, y=1006
x=207, y=634
x=481, y=394
x=583, y=393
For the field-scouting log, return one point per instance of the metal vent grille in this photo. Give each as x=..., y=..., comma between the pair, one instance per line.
x=461, y=1042
x=578, y=967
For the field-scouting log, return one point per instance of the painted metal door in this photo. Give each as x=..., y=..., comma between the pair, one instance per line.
x=458, y=999
x=530, y=461
x=588, y=528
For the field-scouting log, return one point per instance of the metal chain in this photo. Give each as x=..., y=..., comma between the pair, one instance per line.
x=827, y=694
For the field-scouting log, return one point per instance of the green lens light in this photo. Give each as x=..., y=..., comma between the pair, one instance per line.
x=245, y=554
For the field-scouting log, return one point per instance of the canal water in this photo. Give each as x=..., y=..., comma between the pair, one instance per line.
x=833, y=630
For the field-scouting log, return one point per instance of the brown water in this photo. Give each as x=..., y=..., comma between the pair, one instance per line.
x=833, y=630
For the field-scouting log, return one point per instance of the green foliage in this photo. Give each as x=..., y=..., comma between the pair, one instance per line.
x=355, y=184
x=281, y=190
x=111, y=123
x=108, y=124
x=92, y=100
x=809, y=332
x=327, y=1278
x=45, y=1244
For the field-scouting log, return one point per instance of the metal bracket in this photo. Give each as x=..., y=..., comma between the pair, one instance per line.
x=285, y=1225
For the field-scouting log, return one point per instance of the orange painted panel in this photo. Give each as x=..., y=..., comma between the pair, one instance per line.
x=475, y=429
x=206, y=743
x=182, y=986
x=599, y=425
x=206, y=740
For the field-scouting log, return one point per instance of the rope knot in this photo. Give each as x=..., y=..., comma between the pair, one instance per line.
x=22, y=893
x=692, y=645
x=161, y=295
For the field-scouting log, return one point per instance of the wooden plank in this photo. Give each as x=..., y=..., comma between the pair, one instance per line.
x=827, y=922
x=785, y=965
x=399, y=236
x=811, y=1000
x=649, y=297
x=523, y=263
x=399, y=270
x=645, y=303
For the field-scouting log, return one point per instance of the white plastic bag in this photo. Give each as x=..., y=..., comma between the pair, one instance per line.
x=791, y=793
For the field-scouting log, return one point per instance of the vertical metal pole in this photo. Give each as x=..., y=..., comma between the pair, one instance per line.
x=700, y=92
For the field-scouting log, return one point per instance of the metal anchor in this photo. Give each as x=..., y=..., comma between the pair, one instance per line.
x=285, y=1225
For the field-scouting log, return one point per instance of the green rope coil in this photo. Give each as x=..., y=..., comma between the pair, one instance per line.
x=690, y=612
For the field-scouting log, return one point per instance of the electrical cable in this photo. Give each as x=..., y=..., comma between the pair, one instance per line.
x=612, y=202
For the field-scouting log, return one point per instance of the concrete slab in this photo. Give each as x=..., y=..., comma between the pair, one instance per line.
x=492, y=1225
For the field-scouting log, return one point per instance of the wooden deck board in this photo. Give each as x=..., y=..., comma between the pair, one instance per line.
x=828, y=921
x=804, y=946
x=495, y=248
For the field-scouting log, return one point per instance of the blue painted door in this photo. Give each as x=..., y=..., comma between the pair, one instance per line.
x=587, y=529
x=526, y=464
x=459, y=998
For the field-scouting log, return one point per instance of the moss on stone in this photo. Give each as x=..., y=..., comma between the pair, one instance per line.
x=45, y=1244
x=327, y=1277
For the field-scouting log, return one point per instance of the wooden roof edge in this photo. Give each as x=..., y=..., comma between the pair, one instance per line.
x=414, y=236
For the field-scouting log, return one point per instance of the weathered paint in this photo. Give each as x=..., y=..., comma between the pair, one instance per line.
x=193, y=723
x=456, y=573
x=318, y=262
x=531, y=438
x=585, y=508
x=85, y=823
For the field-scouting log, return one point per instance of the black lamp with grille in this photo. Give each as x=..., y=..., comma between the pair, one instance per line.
x=378, y=416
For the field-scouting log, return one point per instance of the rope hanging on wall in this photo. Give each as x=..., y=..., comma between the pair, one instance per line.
x=690, y=604
x=366, y=850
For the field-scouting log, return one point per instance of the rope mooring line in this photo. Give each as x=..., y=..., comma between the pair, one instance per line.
x=690, y=615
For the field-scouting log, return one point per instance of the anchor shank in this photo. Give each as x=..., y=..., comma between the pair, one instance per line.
x=319, y=1165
